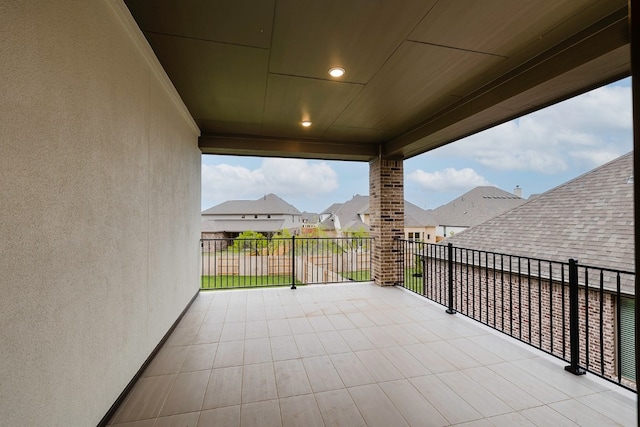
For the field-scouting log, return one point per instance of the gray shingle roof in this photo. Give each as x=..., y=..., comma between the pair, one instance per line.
x=348, y=213
x=240, y=225
x=589, y=218
x=476, y=206
x=269, y=204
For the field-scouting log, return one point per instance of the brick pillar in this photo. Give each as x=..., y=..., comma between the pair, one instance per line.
x=386, y=213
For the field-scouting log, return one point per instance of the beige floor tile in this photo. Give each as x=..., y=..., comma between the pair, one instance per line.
x=507, y=391
x=257, y=351
x=232, y=331
x=309, y=345
x=224, y=388
x=256, y=329
x=180, y=420
x=261, y=414
x=543, y=416
x=340, y=321
x=376, y=408
x=352, y=372
x=338, y=409
x=415, y=409
x=432, y=360
x=258, y=383
x=142, y=423
x=474, y=394
x=380, y=368
x=528, y=381
x=208, y=334
x=278, y=327
x=300, y=325
x=224, y=417
x=235, y=315
x=457, y=358
x=275, y=312
x=284, y=348
x=321, y=324
x=291, y=378
x=333, y=342
x=582, y=415
x=453, y=407
x=229, y=353
x=404, y=362
x=378, y=337
x=187, y=393
x=510, y=420
x=359, y=320
x=256, y=314
x=479, y=353
x=169, y=360
x=606, y=403
x=199, y=357
x=146, y=398
x=293, y=311
x=214, y=317
x=192, y=318
x=299, y=411
x=322, y=374
x=356, y=340
x=182, y=336
x=400, y=334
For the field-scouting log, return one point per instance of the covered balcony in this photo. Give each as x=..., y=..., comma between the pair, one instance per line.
x=107, y=109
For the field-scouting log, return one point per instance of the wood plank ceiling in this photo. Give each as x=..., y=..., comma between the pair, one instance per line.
x=419, y=73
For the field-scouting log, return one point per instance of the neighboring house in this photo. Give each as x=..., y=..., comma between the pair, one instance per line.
x=589, y=219
x=310, y=222
x=474, y=207
x=267, y=215
x=352, y=216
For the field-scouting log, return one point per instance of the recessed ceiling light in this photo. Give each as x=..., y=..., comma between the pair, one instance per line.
x=306, y=123
x=336, y=71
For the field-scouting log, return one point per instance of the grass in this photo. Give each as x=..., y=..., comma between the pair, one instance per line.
x=230, y=282
x=360, y=276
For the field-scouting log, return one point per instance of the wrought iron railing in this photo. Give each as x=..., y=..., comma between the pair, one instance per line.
x=581, y=314
x=241, y=263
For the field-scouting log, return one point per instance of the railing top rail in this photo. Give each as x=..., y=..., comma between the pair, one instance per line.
x=512, y=256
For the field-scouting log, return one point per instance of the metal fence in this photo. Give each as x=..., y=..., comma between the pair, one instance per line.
x=241, y=263
x=581, y=314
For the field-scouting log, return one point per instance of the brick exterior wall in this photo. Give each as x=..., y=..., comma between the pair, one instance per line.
x=386, y=206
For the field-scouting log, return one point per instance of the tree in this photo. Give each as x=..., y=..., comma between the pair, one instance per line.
x=250, y=241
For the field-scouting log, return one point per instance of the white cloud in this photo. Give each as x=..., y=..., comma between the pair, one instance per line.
x=449, y=179
x=584, y=131
x=283, y=177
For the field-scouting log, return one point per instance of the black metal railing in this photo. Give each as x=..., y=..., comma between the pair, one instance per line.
x=241, y=263
x=572, y=311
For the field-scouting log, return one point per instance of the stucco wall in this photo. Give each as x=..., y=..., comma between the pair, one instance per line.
x=100, y=208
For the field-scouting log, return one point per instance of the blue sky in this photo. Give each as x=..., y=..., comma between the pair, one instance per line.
x=537, y=152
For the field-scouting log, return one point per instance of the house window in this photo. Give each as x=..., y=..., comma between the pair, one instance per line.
x=428, y=236
x=627, y=339
x=255, y=216
x=268, y=216
x=414, y=236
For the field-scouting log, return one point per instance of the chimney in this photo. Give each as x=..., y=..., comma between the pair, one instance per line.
x=518, y=191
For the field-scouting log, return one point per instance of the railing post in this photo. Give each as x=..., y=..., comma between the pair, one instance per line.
x=450, y=308
x=574, y=337
x=293, y=262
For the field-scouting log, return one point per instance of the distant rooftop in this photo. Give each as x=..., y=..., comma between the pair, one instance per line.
x=476, y=206
x=268, y=204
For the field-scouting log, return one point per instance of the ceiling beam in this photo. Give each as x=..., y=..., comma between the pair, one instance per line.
x=287, y=147
x=599, y=39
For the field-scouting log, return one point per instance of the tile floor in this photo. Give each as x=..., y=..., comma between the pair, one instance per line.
x=355, y=355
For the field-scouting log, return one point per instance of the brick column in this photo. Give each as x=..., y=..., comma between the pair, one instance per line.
x=386, y=213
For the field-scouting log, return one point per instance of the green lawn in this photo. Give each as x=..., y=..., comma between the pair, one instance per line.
x=360, y=276
x=229, y=282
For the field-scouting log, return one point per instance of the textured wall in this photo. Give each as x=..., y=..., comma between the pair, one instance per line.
x=100, y=201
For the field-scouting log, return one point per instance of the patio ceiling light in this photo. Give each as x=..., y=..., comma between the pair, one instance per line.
x=336, y=71
x=305, y=123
